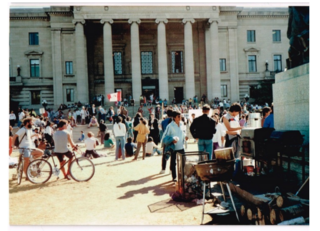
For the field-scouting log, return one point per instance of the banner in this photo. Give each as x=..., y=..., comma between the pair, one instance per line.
x=42, y=110
x=114, y=97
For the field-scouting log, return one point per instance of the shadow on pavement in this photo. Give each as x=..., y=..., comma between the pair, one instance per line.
x=170, y=205
x=27, y=185
x=141, y=181
x=158, y=190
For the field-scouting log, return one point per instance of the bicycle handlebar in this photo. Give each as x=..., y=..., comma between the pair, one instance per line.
x=75, y=148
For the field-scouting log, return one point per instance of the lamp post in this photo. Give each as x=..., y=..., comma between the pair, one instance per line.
x=267, y=65
x=18, y=69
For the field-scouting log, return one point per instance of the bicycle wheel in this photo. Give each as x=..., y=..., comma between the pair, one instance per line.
x=39, y=171
x=20, y=170
x=82, y=169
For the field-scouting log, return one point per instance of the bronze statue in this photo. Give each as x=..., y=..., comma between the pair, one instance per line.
x=298, y=34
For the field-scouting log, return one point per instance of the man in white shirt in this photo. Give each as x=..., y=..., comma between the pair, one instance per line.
x=151, y=148
x=83, y=116
x=119, y=132
x=90, y=143
x=118, y=110
x=25, y=136
x=78, y=113
x=12, y=118
x=21, y=117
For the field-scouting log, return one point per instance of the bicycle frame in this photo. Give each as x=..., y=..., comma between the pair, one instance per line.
x=52, y=155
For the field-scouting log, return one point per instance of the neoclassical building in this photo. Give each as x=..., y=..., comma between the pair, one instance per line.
x=73, y=53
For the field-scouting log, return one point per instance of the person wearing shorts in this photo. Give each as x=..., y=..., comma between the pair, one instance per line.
x=25, y=136
x=61, y=140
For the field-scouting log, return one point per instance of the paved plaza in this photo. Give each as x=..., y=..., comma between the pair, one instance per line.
x=120, y=193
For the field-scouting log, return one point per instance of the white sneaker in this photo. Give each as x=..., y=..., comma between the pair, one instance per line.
x=162, y=172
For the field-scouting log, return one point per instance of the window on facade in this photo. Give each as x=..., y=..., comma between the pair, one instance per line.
x=251, y=35
x=146, y=62
x=70, y=95
x=177, y=61
x=69, y=68
x=35, y=97
x=34, y=68
x=224, y=91
x=277, y=63
x=223, y=65
x=276, y=35
x=33, y=39
x=252, y=63
x=117, y=60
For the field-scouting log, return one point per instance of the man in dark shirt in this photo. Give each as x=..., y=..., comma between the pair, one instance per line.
x=93, y=110
x=102, y=129
x=203, y=128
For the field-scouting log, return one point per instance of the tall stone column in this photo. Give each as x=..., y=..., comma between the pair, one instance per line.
x=108, y=57
x=233, y=67
x=189, y=60
x=162, y=60
x=208, y=64
x=81, y=63
x=57, y=70
x=215, y=65
x=135, y=59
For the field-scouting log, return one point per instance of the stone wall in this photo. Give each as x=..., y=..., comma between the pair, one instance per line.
x=291, y=110
x=291, y=100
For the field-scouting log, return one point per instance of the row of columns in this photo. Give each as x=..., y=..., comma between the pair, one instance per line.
x=81, y=59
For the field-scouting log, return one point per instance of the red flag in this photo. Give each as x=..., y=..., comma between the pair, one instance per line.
x=114, y=97
x=119, y=96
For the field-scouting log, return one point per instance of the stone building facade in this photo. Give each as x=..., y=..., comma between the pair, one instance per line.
x=73, y=53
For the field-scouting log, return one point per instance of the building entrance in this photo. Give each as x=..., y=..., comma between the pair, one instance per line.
x=148, y=90
x=178, y=94
x=150, y=86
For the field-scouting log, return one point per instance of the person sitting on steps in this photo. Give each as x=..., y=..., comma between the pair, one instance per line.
x=93, y=122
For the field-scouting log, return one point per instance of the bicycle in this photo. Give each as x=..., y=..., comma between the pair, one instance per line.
x=40, y=170
x=21, y=163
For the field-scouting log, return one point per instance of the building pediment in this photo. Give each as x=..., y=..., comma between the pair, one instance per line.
x=33, y=52
x=251, y=49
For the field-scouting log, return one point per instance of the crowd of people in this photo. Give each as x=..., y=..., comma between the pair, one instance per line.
x=163, y=130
